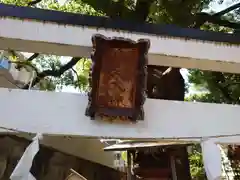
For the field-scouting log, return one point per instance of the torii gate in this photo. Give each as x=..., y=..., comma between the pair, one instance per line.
x=51, y=32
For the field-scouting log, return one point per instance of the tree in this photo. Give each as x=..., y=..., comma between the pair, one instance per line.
x=196, y=163
x=155, y=11
x=52, y=74
x=220, y=87
x=189, y=15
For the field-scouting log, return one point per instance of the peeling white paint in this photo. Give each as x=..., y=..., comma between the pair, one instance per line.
x=69, y=40
x=64, y=114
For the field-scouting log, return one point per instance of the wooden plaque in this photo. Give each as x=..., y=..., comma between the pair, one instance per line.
x=118, y=78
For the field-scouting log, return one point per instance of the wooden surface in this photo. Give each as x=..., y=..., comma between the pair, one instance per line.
x=118, y=78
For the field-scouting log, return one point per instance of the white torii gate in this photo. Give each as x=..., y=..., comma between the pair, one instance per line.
x=53, y=113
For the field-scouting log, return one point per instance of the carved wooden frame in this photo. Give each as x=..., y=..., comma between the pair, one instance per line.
x=142, y=46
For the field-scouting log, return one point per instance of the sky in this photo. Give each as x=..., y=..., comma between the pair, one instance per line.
x=213, y=6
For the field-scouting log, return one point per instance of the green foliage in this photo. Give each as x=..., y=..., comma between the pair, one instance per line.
x=76, y=77
x=72, y=6
x=83, y=68
x=169, y=12
x=215, y=87
x=124, y=156
x=196, y=163
x=203, y=97
x=16, y=2
x=52, y=62
x=221, y=87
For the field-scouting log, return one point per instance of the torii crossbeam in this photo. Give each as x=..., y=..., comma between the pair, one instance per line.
x=52, y=32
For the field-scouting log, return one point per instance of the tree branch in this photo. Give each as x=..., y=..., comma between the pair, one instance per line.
x=109, y=7
x=217, y=20
x=142, y=9
x=203, y=17
x=28, y=61
x=78, y=80
x=21, y=64
x=218, y=79
x=34, y=2
x=231, y=84
x=53, y=73
x=35, y=55
x=227, y=10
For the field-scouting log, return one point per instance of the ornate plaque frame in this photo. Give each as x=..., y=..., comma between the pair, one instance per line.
x=118, y=61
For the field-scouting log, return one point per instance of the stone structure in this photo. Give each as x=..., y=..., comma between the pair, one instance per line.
x=49, y=164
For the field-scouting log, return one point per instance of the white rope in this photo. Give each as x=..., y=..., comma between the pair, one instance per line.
x=22, y=170
x=31, y=81
x=211, y=159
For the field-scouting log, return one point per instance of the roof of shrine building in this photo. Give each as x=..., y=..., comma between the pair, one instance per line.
x=118, y=24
